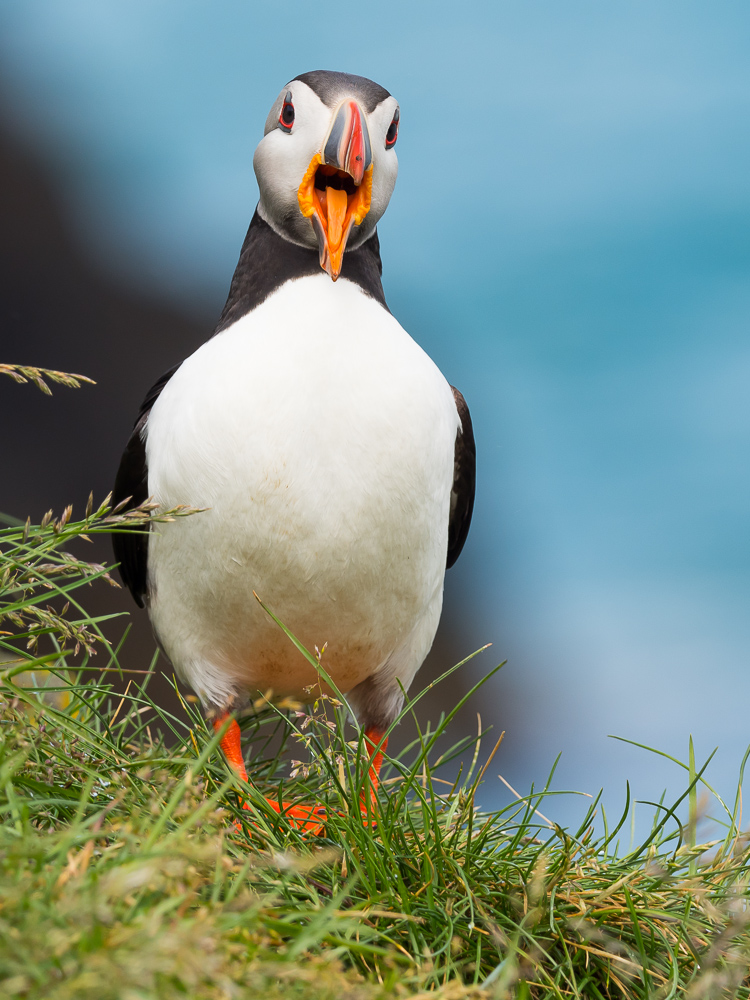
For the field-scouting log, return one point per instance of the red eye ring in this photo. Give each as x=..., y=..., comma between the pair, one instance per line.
x=392, y=134
x=286, y=117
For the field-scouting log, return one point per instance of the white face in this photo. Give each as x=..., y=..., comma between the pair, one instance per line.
x=284, y=155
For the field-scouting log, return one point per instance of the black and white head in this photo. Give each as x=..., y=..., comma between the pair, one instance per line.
x=326, y=165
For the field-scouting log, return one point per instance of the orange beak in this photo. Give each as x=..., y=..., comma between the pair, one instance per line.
x=336, y=190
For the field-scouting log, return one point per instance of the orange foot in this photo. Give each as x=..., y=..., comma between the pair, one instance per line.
x=372, y=739
x=309, y=819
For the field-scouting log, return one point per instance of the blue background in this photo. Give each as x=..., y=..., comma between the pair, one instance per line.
x=569, y=239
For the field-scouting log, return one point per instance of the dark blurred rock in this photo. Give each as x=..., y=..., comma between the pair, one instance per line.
x=58, y=311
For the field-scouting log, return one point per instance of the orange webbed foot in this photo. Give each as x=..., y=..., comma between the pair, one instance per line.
x=307, y=819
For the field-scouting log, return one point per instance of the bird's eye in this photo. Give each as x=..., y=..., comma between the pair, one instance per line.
x=286, y=118
x=392, y=134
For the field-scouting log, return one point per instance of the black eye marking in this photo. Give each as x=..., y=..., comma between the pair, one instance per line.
x=392, y=134
x=286, y=118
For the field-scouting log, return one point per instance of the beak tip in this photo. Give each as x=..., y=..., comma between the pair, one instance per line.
x=328, y=268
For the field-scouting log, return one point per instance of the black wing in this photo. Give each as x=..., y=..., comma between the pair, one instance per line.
x=131, y=483
x=464, y=482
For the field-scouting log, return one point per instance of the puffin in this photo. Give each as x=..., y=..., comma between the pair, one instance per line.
x=332, y=464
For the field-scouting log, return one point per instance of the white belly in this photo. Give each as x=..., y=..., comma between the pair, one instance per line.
x=321, y=438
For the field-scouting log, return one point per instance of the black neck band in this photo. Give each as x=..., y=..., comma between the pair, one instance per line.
x=267, y=261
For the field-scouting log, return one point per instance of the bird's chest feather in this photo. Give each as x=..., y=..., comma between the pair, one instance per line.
x=320, y=438
x=317, y=405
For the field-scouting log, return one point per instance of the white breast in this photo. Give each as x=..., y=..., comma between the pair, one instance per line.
x=321, y=438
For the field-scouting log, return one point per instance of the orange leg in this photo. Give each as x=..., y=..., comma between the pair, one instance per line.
x=311, y=819
x=372, y=739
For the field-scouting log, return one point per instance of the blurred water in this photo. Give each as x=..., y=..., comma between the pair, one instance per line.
x=569, y=239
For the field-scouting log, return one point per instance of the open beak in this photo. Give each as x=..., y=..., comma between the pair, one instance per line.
x=336, y=190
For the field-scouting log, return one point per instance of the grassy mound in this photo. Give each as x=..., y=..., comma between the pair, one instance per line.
x=129, y=870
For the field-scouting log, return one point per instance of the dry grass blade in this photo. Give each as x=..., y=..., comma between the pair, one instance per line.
x=40, y=376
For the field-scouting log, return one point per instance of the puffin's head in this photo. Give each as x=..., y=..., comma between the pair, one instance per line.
x=326, y=165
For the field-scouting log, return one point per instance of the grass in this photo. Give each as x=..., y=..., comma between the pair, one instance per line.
x=129, y=870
